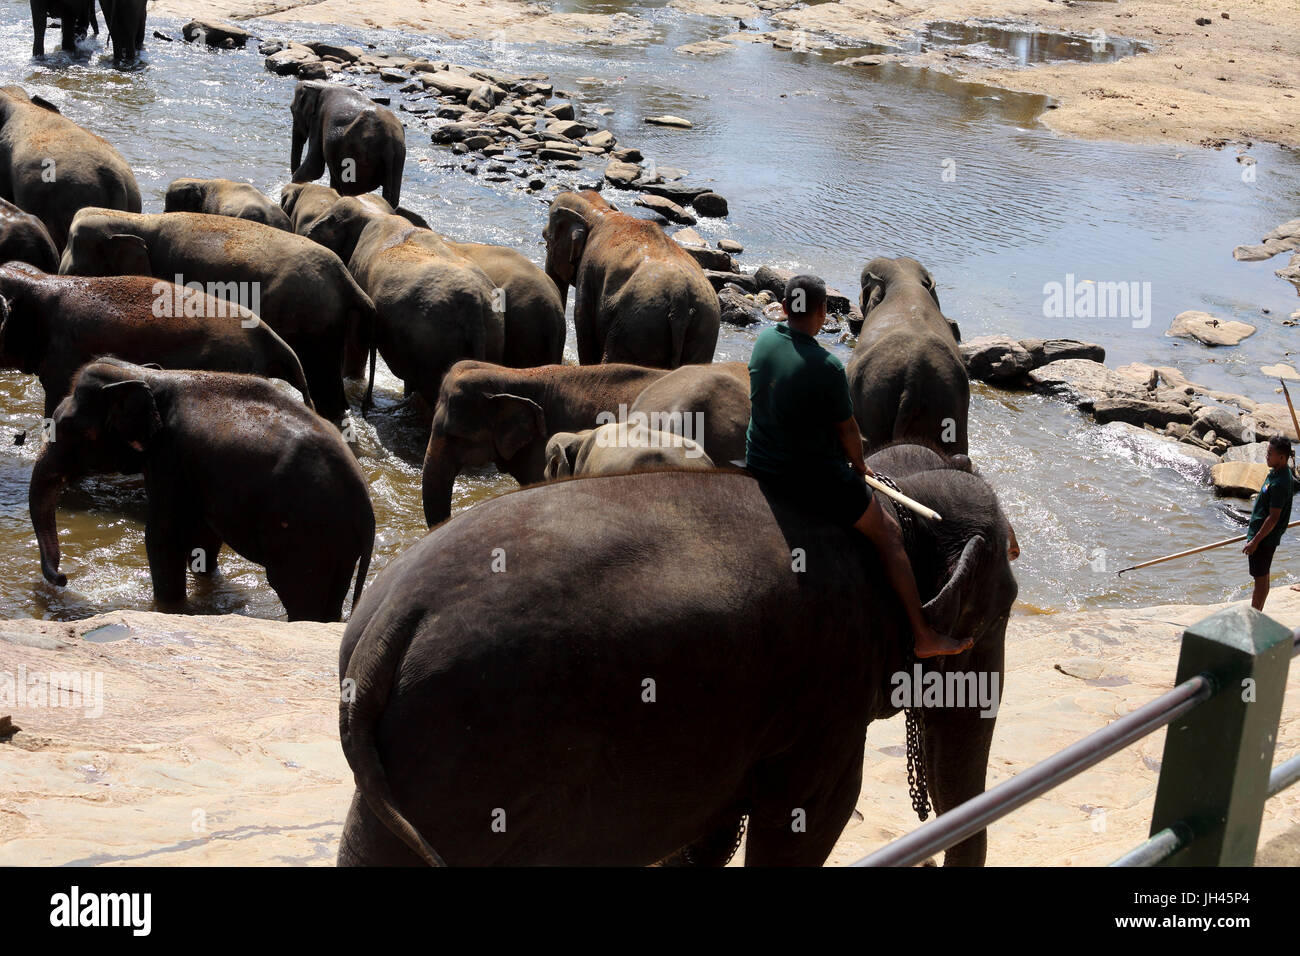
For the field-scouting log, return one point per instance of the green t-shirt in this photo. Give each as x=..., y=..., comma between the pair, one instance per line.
x=1276, y=492
x=798, y=392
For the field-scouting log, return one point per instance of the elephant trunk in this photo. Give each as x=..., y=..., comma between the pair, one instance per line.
x=439, y=478
x=43, y=499
x=560, y=284
x=295, y=150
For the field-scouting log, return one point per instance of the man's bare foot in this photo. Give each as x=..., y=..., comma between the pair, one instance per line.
x=930, y=643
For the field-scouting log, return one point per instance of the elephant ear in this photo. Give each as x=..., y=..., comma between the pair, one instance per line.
x=927, y=283
x=944, y=610
x=18, y=346
x=559, y=455
x=129, y=255
x=516, y=421
x=955, y=329
x=570, y=235
x=131, y=414
x=183, y=197
x=873, y=290
x=45, y=104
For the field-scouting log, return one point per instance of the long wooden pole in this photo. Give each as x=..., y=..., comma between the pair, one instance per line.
x=1190, y=551
x=1294, y=421
x=902, y=499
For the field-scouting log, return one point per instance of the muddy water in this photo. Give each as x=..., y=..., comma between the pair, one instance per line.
x=824, y=167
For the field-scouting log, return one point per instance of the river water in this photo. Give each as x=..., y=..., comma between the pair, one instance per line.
x=824, y=167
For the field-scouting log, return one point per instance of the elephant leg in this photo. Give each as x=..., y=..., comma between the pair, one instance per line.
x=38, y=29
x=307, y=595
x=957, y=743
x=167, y=547
x=205, y=546
x=713, y=849
x=792, y=831
x=69, y=28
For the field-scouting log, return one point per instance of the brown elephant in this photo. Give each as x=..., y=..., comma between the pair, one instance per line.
x=708, y=403
x=618, y=448
x=51, y=167
x=533, y=322
x=302, y=291
x=24, y=238
x=360, y=143
x=52, y=325
x=906, y=374
x=489, y=414
x=433, y=306
x=227, y=460
x=639, y=296
x=223, y=197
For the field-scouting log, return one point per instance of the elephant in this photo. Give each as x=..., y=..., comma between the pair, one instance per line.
x=227, y=459
x=533, y=322
x=906, y=375
x=222, y=197
x=639, y=296
x=433, y=307
x=362, y=144
x=51, y=167
x=300, y=290
x=24, y=238
x=619, y=447
x=53, y=325
x=716, y=396
x=75, y=17
x=489, y=414
x=125, y=20
x=651, y=671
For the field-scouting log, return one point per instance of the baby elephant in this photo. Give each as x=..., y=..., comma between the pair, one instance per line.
x=224, y=197
x=24, y=238
x=227, y=459
x=619, y=447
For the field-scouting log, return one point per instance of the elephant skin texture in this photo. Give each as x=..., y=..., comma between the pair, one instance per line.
x=24, y=238
x=639, y=297
x=906, y=375
x=222, y=197
x=360, y=143
x=51, y=167
x=227, y=459
x=520, y=691
x=302, y=291
x=620, y=447
x=53, y=325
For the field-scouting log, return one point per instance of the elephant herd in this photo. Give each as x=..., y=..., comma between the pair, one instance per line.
x=624, y=660
x=124, y=19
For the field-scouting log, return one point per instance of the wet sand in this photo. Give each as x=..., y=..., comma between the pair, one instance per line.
x=218, y=744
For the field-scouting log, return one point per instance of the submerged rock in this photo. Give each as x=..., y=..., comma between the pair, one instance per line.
x=1209, y=330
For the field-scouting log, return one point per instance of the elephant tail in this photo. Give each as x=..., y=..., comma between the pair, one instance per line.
x=363, y=566
x=374, y=662
x=681, y=316
x=293, y=374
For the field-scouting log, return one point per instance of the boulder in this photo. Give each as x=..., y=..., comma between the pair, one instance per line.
x=1083, y=382
x=1222, y=422
x=1209, y=330
x=773, y=280
x=459, y=85
x=345, y=54
x=731, y=245
x=996, y=358
x=1044, y=351
x=682, y=195
x=622, y=174
x=666, y=208
x=1269, y=419
x=1291, y=271
x=216, y=33
x=710, y=204
x=1254, y=453
x=287, y=62
x=1280, y=370
x=316, y=70
x=676, y=122
x=1138, y=411
x=1265, y=250
x=562, y=111
x=484, y=98
x=1238, y=479
x=742, y=280
x=737, y=307
x=601, y=139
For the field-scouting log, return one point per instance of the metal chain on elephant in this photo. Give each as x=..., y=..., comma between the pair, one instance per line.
x=689, y=860
x=917, y=785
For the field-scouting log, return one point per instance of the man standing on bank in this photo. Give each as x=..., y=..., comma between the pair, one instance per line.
x=804, y=444
x=1271, y=515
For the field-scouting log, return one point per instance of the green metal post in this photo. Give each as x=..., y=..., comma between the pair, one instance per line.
x=1217, y=759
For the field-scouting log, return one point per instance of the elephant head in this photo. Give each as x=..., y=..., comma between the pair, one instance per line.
x=882, y=277
x=340, y=228
x=184, y=195
x=305, y=108
x=561, y=453
x=473, y=426
x=107, y=423
x=305, y=203
x=567, y=230
x=94, y=248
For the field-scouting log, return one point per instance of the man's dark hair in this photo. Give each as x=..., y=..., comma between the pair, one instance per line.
x=1280, y=443
x=804, y=295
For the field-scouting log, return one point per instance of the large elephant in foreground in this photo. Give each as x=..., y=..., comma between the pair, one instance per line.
x=24, y=238
x=224, y=197
x=906, y=374
x=654, y=666
x=51, y=325
x=227, y=459
x=360, y=143
x=302, y=291
x=640, y=297
x=51, y=167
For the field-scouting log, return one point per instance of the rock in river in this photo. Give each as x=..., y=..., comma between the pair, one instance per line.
x=215, y=33
x=1238, y=479
x=1209, y=330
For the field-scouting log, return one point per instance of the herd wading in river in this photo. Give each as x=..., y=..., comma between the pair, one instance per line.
x=537, y=680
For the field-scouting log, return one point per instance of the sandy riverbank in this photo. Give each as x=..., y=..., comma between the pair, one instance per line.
x=1234, y=79
x=218, y=744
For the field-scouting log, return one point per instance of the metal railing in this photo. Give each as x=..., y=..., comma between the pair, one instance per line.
x=1213, y=778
